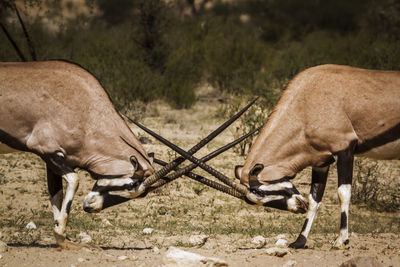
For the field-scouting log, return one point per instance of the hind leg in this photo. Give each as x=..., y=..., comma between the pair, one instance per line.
x=318, y=183
x=345, y=175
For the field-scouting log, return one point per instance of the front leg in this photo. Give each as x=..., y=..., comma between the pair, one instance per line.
x=345, y=175
x=58, y=168
x=318, y=183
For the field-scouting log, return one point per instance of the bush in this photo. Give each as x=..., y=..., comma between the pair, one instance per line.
x=373, y=190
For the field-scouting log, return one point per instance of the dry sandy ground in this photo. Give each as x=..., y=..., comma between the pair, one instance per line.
x=180, y=210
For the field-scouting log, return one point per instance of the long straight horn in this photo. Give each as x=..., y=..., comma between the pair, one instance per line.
x=242, y=189
x=173, y=164
x=187, y=169
x=198, y=178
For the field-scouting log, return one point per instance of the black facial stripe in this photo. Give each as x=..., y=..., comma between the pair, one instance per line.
x=98, y=188
x=281, y=180
x=97, y=176
x=126, y=142
x=343, y=220
x=285, y=192
x=277, y=204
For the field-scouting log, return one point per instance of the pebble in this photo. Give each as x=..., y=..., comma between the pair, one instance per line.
x=290, y=263
x=281, y=236
x=1, y=256
x=281, y=243
x=84, y=237
x=81, y=259
x=1, y=235
x=259, y=241
x=148, y=231
x=175, y=257
x=31, y=225
x=3, y=247
x=156, y=250
x=122, y=258
x=198, y=240
x=275, y=251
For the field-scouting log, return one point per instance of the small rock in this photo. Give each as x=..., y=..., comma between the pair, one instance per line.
x=290, y=263
x=84, y=237
x=275, y=251
x=122, y=258
x=1, y=256
x=31, y=225
x=1, y=235
x=259, y=241
x=145, y=140
x=198, y=240
x=47, y=239
x=106, y=222
x=134, y=258
x=156, y=250
x=3, y=247
x=360, y=261
x=175, y=257
x=81, y=259
x=281, y=236
x=281, y=243
x=148, y=231
x=72, y=265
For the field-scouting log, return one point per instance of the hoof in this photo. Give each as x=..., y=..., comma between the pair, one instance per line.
x=338, y=245
x=299, y=243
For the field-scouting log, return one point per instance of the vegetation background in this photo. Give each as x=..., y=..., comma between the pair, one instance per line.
x=158, y=49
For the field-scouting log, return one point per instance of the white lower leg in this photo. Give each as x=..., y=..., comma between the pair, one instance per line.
x=61, y=217
x=311, y=213
x=344, y=192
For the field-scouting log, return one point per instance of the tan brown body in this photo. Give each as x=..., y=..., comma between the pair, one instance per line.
x=60, y=112
x=327, y=112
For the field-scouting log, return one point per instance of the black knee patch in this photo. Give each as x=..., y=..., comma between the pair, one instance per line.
x=343, y=220
x=304, y=226
x=299, y=243
x=69, y=206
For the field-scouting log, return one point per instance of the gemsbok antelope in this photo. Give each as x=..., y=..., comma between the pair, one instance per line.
x=60, y=112
x=326, y=113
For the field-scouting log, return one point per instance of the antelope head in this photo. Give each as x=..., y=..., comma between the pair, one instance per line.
x=110, y=190
x=271, y=187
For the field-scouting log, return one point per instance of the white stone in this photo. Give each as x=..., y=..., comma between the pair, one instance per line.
x=122, y=258
x=290, y=263
x=72, y=265
x=259, y=241
x=1, y=256
x=148, y=231
x=81, y=259
x=175, y=257
x=106, y=222
x=31, y=225
x=198, y=240
x=3, y=247
x=281, y=243
x=156, y=250
x=275, y=251
x=281, y=236
x=84, y=237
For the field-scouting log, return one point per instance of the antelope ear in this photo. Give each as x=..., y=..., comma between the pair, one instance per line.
x=134, y=162
x=238, y=171
x=151, y=156
x=256, y=169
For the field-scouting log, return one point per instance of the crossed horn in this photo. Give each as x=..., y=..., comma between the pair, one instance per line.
x=173, y=164
x=186, y=171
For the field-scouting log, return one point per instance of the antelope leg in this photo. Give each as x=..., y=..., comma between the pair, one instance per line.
x=58, y=168
x=345, y=161
x=318, y=183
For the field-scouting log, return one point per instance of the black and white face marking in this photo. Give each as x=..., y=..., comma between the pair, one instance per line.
x=107, y=192
x=279, y=194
